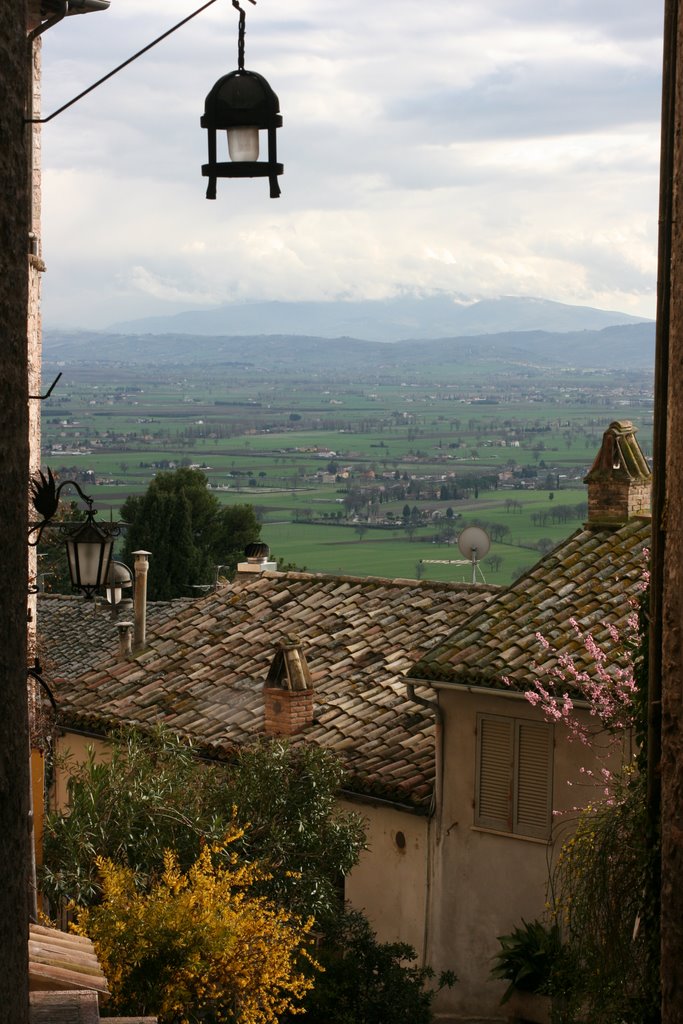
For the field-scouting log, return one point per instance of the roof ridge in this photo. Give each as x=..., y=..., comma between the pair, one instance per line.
x=398, y=581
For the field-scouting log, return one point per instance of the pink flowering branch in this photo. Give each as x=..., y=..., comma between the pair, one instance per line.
x=607, y=684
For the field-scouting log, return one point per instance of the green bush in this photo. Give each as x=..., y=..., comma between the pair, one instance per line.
x=154, y=794
x=529, y=958
x=369, y=982
x=601, y=885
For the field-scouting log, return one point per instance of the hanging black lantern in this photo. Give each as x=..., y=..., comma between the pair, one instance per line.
x=242, y=104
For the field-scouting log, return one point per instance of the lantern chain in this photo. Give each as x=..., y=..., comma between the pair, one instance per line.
x=240, y=39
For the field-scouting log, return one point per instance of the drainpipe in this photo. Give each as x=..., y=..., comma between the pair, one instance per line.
x=434, y=706
x=141, y=569
x=431, y=705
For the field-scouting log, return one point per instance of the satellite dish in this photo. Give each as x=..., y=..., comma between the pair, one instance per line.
x=474, y=543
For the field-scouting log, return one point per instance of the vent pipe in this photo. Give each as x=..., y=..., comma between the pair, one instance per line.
x=125, y=630
x=257, y=555
x=141, y=570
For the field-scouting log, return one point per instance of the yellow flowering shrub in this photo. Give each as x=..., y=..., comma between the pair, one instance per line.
x=198, y=946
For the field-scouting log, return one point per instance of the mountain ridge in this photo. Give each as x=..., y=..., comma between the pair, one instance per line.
x=381, y=320
x=629, y=346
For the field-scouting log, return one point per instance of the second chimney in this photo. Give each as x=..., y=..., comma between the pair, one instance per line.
x=619, y=480
x=288, y=691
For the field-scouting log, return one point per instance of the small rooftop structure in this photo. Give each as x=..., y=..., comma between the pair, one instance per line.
x=288, y=691
x=619, y=480
x=257, y=556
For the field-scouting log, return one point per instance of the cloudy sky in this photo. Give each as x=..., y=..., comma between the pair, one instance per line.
x=470, y=147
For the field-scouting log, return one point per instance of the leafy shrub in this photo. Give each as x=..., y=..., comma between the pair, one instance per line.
x=197, y=946
x=369, y=982
x=528, y=958
x=601, y=887
x=155, y=795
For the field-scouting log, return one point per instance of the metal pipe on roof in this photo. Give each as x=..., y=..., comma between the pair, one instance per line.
x=141, y=570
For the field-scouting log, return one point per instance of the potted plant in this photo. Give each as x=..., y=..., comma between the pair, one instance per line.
x=528, y=959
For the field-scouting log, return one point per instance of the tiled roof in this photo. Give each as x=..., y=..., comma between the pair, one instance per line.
x=74, y=634
x=592, y=577
x=203, y=671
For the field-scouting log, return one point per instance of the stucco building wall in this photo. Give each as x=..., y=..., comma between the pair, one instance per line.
x=390, y=883
x=485, y=882
x=73, y=748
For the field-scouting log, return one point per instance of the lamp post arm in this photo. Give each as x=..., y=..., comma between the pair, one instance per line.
x=46, y=502
x=35, y=673
x=120, y=67
x=72, y=483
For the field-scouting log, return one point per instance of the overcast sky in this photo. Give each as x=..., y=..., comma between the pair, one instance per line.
x=470, y=147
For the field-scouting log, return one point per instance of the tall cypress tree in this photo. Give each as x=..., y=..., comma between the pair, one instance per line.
x=188, y=532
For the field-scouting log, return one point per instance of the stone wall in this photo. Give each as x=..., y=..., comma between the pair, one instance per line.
x=14, y=468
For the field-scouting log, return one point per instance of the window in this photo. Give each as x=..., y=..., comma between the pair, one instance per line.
x=514, y=776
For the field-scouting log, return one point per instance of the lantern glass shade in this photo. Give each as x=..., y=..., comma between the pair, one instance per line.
x=89, y=554
x=243, y=144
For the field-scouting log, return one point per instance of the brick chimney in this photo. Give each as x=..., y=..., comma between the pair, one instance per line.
x=288, y=691
x=619, y=479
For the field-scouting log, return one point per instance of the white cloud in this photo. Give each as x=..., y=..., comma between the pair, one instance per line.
x=477, y=148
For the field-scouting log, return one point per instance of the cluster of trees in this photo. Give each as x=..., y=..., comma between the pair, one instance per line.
x=185, y=527
x=200, y=885
x=560, y=514
x=188, y=532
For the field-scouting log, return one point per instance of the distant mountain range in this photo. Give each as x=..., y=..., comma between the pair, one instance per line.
x=407, y=318
x=626, y=347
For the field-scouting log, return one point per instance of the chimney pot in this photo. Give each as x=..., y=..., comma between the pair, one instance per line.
x=619, y=480
x=125, y=630
x=288, y=691
x=141, y=570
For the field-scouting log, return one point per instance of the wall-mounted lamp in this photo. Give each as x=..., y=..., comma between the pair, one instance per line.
x=88, y=543
x=242, y=104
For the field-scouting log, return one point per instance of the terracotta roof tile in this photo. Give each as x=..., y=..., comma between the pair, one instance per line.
x=592, y=578
x=206, y=662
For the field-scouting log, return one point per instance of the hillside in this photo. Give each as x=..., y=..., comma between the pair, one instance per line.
x=628, y=347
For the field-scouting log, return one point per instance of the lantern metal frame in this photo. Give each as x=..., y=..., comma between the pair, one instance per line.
x=242, y=99
x=45, y=495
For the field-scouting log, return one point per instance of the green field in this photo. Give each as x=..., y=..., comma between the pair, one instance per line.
x=325, y=460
